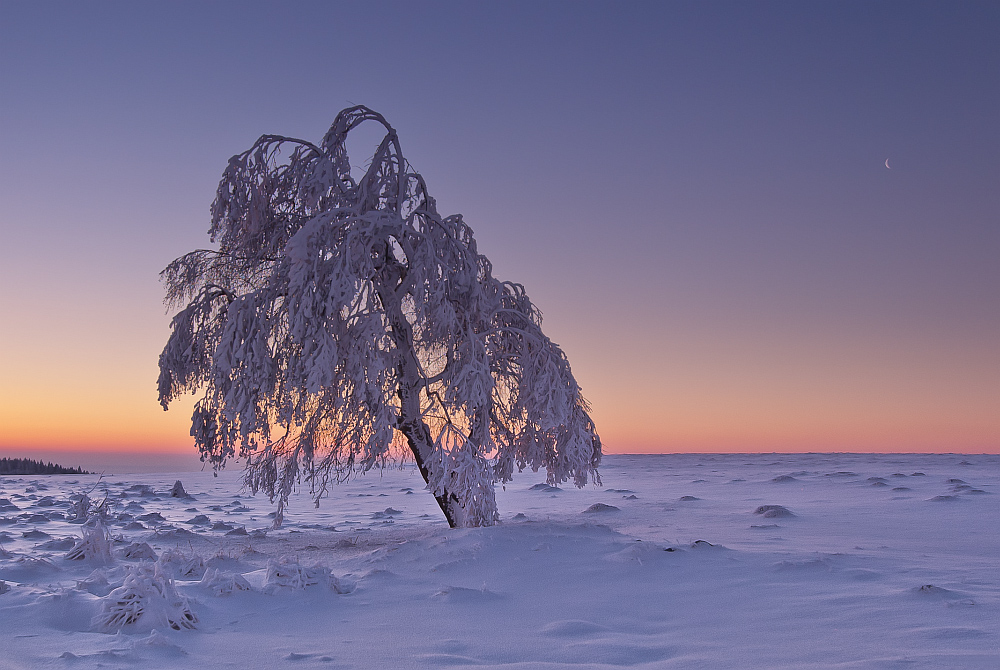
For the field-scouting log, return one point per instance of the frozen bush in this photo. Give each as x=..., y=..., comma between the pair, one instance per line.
x=223, y=583
x=79, y=510
x=287, y=574
x=147, y=599
x=177, y=564
x=95, y=545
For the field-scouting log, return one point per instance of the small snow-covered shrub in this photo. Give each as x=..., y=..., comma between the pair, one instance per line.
x=147, y=598
x=287, y=574
x=80, y=509
x=138, y=551
x=95, y=545
x=177, y=564
x=223, y=583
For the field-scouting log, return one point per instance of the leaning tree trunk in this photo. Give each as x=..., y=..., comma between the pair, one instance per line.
x=411, y=423
x=418, y=437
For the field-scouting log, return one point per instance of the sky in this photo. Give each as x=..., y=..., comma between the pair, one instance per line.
x=768, y=226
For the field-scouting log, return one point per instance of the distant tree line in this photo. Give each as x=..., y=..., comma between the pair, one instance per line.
x=26, y=466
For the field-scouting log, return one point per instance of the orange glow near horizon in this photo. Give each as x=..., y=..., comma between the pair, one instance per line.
x=116, y=423
x=656, y=426
x=728, y=408
x=706, y=391
x=712, y=404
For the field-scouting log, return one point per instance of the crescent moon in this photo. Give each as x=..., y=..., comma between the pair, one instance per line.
x=887, y=164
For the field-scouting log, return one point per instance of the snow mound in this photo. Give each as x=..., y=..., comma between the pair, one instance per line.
x=461, y=594
x=287, y=574
x=600, y=507
x=773, y=511
x=159, y=644
x=138, y=551
x=96, y=583
x=545, y=488
x=60, y=544
x=571, y=628
x=28, y=569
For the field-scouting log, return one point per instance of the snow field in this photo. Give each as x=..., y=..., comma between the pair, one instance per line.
x=680, y=561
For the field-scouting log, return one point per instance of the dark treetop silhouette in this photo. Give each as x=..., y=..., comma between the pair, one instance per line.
x=339, y=319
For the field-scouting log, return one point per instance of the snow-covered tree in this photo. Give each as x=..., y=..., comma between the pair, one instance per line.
x=340, y=319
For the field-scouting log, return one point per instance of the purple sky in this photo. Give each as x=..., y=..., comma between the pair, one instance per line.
x=695, y=195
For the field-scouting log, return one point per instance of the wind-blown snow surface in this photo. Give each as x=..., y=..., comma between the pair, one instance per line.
x=854, y=561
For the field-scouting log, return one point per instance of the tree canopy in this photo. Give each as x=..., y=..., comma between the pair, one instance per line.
x=340, y=319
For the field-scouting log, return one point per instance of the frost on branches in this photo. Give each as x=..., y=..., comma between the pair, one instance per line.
x=340, y=320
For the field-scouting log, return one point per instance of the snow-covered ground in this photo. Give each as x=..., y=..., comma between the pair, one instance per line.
x=867, y=561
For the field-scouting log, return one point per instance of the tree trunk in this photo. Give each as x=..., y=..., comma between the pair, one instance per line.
x=411, y=423
x=417, y=434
